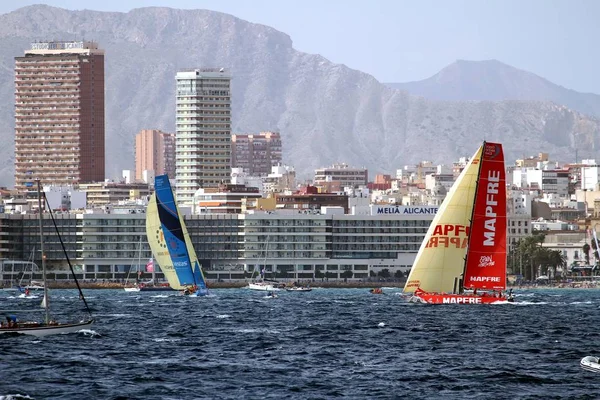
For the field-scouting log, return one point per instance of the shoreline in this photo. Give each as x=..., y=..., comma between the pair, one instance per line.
x=316, y=284
x=229, y=285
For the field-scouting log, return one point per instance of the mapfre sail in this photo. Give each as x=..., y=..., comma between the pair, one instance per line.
x=465, y=245
x=486, y=259
x=170, y=241
x=441, y=257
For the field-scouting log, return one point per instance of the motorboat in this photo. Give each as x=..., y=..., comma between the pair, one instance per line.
x=590, y=363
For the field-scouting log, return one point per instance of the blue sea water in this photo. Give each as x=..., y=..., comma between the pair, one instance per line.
x=324, y=344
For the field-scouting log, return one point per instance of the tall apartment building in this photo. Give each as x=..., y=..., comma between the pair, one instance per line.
x=59, y=114
x=256, y=154
x=203, y=132
x=154, y=150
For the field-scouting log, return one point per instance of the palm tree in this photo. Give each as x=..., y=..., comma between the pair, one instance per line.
x=586, y=251
x=384, y=273
x=532, y=253
x=556, y=259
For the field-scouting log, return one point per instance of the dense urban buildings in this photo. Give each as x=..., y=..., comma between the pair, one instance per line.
x=256, y=154
x=341, y=175
x=154, y=151
x=59, y=114
x=203, y=131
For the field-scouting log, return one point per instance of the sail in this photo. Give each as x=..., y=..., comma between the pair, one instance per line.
x=198, y=275
x=169, y=238
x=156, y=239
x=441, y=257
x=486, y=260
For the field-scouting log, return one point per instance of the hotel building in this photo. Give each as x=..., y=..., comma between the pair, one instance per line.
x=59, y=114
x=203, y=131
x=289, y=244
x=154, y=151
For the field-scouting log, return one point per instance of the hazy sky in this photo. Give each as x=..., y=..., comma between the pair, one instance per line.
x=402, y=40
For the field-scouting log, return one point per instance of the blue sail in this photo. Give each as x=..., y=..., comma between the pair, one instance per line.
x=176, y=237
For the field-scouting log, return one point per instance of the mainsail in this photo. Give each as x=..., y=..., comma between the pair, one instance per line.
x=441, y=257
x=486, y=259
x=169, y=239
x=465, y=245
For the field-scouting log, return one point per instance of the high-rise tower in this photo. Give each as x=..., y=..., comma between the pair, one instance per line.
x=203, y=132
x=154, y=150
x=59, y=114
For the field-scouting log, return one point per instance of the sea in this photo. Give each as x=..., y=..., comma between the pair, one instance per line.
x=323, y=344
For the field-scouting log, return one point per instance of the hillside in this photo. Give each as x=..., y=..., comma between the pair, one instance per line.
x=325, y=112
x=494, y=81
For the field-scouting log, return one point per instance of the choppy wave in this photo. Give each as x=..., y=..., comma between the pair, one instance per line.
x=324, y=344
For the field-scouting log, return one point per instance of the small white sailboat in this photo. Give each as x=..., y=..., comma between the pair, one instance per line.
x=261, y=283
x=462, y=259
x=135, y=287
x=49, y=326
x=32, y=285
x=165, y=225
x=590, y=363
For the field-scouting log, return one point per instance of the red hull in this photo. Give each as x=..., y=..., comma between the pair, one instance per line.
x=439, y=298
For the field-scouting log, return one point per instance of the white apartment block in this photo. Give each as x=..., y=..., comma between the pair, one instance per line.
x=346, y=176
x=555, y=181
x=239, y=177
x=203, y=131
x=589, y=177
x=443, y=176
x=281, y=178
x=416, y=173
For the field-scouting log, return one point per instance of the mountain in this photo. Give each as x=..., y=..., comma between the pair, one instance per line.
x=494, y=81
x=325, y=112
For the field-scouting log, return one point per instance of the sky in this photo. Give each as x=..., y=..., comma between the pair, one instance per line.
x=408, y=40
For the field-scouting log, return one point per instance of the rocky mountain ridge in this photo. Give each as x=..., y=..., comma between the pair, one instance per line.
x=492, y=80
x=325, y=112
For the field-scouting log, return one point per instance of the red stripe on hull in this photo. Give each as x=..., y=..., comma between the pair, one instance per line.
x=440, y=298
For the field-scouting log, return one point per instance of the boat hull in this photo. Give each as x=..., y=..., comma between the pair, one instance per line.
x=157, y=289
x=298, y=289
x=421, y=296
x=40, y=330
x=265, y=287
x=149, y=289
x=590, y=363
x=199, y=293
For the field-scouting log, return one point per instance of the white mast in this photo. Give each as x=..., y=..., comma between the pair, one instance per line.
x=39, y=193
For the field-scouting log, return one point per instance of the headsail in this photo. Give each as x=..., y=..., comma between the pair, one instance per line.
x=158, y=245
x=441, y=257
x=169, y=239
x=486, y=259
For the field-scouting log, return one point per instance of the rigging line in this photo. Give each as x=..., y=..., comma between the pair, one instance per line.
x=67, y=256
